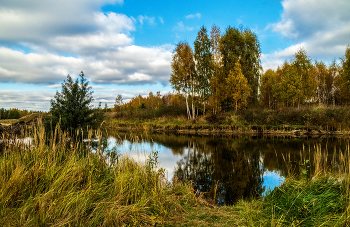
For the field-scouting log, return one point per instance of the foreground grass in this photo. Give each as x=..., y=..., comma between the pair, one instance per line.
x=73, y=187
x=320, y=202
x=60, y=183
x=65, y=188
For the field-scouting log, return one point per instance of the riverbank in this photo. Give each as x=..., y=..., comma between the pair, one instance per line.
x=287, y=121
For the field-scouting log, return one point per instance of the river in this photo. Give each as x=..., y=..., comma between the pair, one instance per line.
x=227, y=168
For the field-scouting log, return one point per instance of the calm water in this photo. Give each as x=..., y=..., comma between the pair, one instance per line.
x=225, y=167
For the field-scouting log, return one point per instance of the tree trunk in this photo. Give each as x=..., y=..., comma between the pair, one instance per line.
x=204, y=109
x=188, y=110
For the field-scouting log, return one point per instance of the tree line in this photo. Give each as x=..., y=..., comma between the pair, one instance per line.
x=302, y=82
x=14, y=113
x=223, y=73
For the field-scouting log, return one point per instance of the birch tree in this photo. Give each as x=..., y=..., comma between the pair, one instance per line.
x=183, y=73
x=204, y=64
x=238, y=45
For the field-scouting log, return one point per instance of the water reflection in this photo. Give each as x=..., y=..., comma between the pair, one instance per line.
x=227, y=168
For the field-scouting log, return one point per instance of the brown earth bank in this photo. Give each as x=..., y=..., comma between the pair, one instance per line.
x=15, y=128
x=306, y=121
x=253, y=131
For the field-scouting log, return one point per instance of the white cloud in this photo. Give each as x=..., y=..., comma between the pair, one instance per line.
x=35, y=68
x=150, y=20
x=106, y=67
x=66, y=37
x=89, y=44
x=181, y=27
x=321, y=27
x=34, y=21
x=26, y=100
x=54, y=86
x=79, y=38
x=302, y=19
x=113, y=22
x=198, y=15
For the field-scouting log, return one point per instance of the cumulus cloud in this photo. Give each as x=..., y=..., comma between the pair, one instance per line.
x=303, y=19
x=321, y=27
x=89, y=44
x=197, y=15
x=125, y=65
x=37, y=20
x=71, y=36
x=54, y=39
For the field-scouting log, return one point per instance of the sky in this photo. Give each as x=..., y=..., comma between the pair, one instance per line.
x=125, y=46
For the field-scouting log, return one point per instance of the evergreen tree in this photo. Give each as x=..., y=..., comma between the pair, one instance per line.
x=72, y=106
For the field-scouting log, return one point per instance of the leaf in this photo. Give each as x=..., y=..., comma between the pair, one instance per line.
x=304, y=171
x=306, y=161
x=152, y=217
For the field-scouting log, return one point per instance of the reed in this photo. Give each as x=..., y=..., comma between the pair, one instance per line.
x=59, y=181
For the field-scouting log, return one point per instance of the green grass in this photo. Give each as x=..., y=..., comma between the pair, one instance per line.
x=322, y=201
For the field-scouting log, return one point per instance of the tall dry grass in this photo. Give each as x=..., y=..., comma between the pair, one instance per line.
x=58, y=181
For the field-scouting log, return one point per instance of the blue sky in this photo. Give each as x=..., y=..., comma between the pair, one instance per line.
x=125, y=47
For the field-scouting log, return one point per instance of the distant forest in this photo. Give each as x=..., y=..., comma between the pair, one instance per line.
x=14, y=113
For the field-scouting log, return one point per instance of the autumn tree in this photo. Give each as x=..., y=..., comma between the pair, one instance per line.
x=217, y=79
x=332, y=86
x=291, y=86
x=204, y=64
x=242, y=46
x=237, y=87
x=325, y=82
x=344, y=80
x=183, y=74
x=304, y=69
x=268, y=79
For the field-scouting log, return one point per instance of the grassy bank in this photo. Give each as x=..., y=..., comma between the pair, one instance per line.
x=57, y=182
x=311, y=120
x=26, y=119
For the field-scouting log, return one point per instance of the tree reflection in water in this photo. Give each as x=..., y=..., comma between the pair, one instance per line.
x=227, y=173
